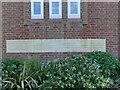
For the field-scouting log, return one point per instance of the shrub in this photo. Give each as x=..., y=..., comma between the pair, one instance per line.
x=11, y=67
x=74, y=72
x=117, y=83
x=109, y=64
x=20, y=74
x=93, y=70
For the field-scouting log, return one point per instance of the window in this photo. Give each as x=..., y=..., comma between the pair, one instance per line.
x=73, y=8
x=55, y=8
x=37, y=11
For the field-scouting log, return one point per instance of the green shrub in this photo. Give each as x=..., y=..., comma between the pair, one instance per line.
x=74, y=72
x=11, y=67
x=117, y=83
x=20, y=74
x=109, y=64
x=93, y=70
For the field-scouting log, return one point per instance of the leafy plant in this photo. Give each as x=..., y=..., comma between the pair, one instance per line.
x=93, y=70
x=109, y=64
x=117, y=83
x=74, y=72
x=11, y=67
x=25, y=78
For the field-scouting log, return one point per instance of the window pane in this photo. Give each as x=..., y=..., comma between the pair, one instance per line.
x=55, y=7
x=37, y=8
x=74, y=7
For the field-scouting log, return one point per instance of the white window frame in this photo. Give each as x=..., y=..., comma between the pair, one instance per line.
x=69, y=8
x=50, y=9
x=37, y=16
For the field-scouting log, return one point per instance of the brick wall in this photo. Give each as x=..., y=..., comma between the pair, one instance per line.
x=101, y=23
x=119, y=29
x=0, y=44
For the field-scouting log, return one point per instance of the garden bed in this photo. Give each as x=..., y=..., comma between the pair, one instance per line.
x=92, y=70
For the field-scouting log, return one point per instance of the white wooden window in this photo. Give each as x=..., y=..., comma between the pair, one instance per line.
x=73, y=8
x=55, y=8
x=37, y=9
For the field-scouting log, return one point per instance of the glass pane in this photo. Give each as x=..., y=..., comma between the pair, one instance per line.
x=55, y=7
x=37, y=7
x=74, y=7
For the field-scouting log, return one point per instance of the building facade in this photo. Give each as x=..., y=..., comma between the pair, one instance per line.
x=58, y=28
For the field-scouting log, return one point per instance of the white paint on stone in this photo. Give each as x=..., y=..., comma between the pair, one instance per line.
x=55, y=45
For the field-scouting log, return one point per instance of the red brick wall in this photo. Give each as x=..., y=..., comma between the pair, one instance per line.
x=119, y=29
x=102, y=23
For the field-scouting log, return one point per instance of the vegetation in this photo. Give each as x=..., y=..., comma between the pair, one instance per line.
x=18, y=74
x=109, y=64
x=93, y=70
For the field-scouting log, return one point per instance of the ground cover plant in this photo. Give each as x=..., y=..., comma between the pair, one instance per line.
x=92, y=70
